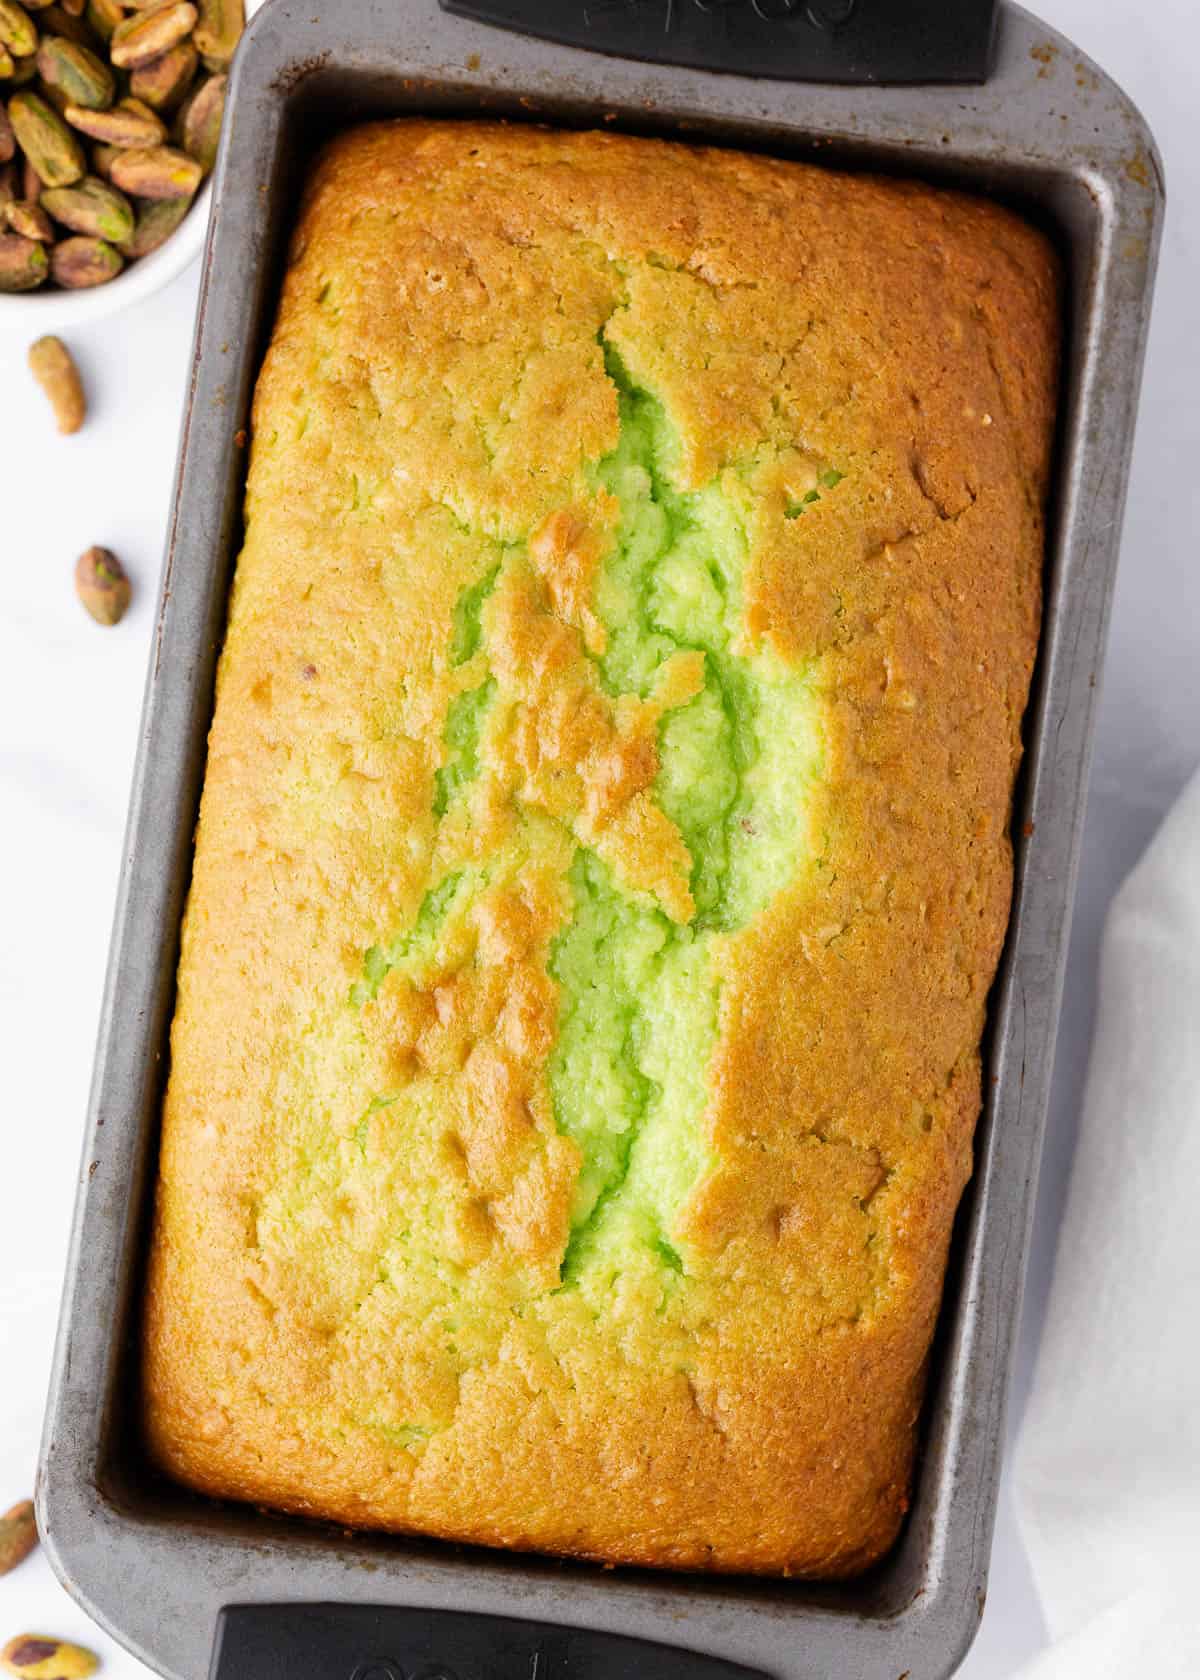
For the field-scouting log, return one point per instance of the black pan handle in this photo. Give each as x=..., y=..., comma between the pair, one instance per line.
x=370, y=1642
x=844, y=41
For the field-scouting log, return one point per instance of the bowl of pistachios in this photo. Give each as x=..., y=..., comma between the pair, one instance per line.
x=110, y=117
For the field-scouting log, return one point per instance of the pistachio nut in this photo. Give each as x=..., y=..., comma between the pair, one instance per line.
x=7, y=64
x=38, y=1656
x=102, y=585
x=30, y=219
x=53, y=366
x=145, y=35
x=49, y=146
x=82, y=261
x=18, y=1535
x=76, y=8
x=23, y=263
x=121, y=126
x=201, y=125
x=77, y=73
x=8, y=183
x=103, y=16
x=219, y=30
x=157, y=172
x=91, y=206
x=163, y=82
x=8, y=140
x=18, y=32
x=156, y=222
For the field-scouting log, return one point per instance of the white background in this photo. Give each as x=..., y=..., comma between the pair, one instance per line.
x=70, y=695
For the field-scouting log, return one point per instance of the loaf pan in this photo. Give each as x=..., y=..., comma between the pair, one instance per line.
x=172, y=1575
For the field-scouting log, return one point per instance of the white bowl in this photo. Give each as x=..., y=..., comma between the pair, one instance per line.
x=51, y=310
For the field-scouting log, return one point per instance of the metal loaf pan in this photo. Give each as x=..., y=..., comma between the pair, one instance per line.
x=157, y=1566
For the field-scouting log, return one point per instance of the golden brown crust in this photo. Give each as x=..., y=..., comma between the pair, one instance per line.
x=435, y=393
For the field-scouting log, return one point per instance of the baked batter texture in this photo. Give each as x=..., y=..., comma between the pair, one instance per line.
x=603, y=858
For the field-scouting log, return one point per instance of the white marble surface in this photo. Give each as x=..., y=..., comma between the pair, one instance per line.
x=70, y=696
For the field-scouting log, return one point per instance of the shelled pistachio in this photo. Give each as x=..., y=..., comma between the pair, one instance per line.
x=87, y=91
x=50, y=149
x=23, y=263
x=79, y=74
x=157, y=220
x=103, y=16
x=102, y=585
x=53, y=367
x=18, y=32
x=83, y=261
x=122, y=126
x=29, y=219
x=92, y=206
x=18, y=1535
x=219, y=30
x=200, y=128
x=157, y=172
x=145, y=35
x=39, y=1656
x=163, y=82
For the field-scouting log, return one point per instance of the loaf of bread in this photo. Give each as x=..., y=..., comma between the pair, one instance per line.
x=604, y=850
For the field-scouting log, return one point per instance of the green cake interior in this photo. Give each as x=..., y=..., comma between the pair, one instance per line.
x=639, y=992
